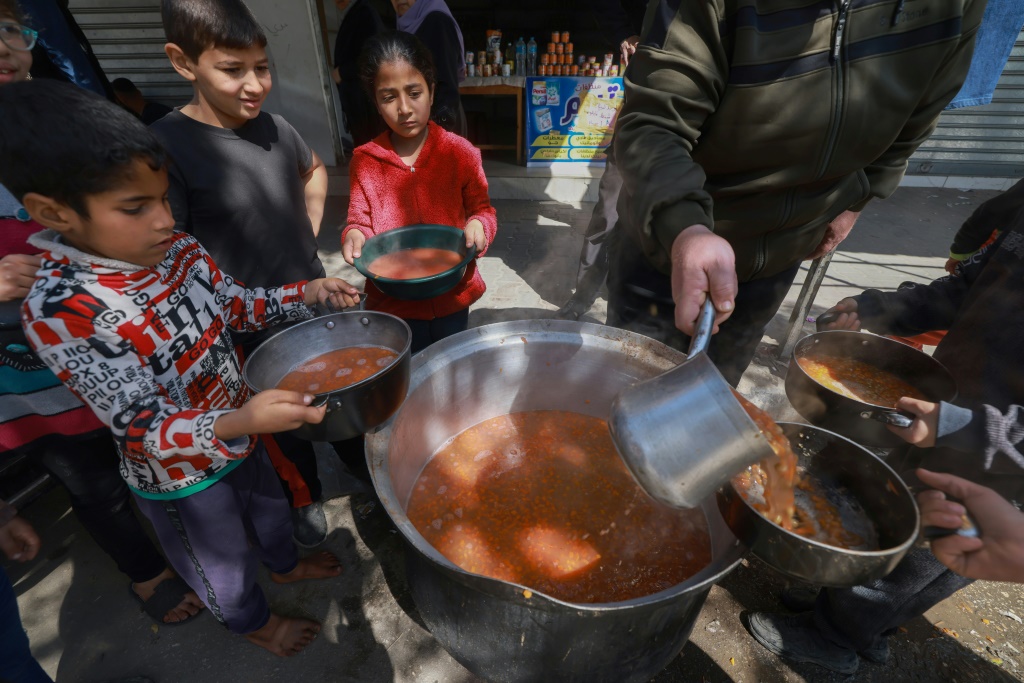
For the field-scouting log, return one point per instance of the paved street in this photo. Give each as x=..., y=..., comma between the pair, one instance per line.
x=85, y=628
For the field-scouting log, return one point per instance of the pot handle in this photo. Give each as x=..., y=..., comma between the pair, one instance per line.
x=890, y=417
x=702, y=332
x=825, y=319
x=969, y=528
x=325, y=399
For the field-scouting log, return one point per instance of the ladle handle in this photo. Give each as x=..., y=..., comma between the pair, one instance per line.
x=705, y=324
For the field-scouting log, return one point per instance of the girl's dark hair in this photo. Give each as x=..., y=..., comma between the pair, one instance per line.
x=390, y=47
x=199, y=25
x=68, y=143
x=9, y=8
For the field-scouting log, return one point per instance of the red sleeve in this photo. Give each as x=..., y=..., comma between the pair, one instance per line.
x=361, y=172
x=474, y=193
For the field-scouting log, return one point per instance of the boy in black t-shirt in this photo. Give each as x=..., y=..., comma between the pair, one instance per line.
x=247, y=186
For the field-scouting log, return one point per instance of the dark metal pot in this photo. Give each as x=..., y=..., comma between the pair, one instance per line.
x=863, y=422
x=490, y=626
x=845, y=470
x=357, y=408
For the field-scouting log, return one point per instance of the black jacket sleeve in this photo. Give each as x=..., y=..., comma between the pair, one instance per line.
x=361, y=23
x=915, y=308
x=994, y=214
x=998, y=436
x=438, y=33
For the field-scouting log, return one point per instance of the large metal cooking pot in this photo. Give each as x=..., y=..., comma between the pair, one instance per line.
x=490, y=626
x=860, y=485
x=358, y=407
x=863, y=422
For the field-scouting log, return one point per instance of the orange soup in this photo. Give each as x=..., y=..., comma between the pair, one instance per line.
x=792, y=499
x=409, y=264
x=337, y=369
x=858, y=380
x=542, y=499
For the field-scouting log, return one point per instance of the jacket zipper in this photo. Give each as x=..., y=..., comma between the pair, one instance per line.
x=837, y=45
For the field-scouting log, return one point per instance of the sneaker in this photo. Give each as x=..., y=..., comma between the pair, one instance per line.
x=310, y=525
x=878, y=653
x=795, y=637
x=799, y=598
x=572, y=310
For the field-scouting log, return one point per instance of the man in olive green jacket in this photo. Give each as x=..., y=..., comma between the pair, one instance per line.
x=752, y=135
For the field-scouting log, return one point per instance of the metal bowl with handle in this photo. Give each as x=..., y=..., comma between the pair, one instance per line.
x=866, y=492
x=863, y=422
x=352, y=410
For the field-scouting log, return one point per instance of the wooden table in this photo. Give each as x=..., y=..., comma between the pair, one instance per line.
x=499, y=86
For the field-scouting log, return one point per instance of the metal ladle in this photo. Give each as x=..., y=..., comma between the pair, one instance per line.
x=683, y=434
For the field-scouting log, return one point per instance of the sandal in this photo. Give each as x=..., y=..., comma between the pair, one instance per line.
x=167, y=595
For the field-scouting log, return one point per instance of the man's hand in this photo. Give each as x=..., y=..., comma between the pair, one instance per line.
x=17, y=273
x=336, y=75
x=19, y=540
x=922, y=431
x=269, y=412
x=998, y=555
x=627, y=48
x=475, y=235
x=340, y=293
x=951, y=264
x=352, y=246
x=836, y=232
x=847, y=318
x=702, y=263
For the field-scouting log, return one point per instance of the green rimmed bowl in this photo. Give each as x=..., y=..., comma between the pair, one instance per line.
x=414, y=237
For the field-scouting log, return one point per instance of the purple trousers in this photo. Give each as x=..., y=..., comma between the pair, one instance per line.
x=214, y=538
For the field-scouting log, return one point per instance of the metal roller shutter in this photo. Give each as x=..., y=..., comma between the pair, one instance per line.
x=128, y=39
x=985, y=141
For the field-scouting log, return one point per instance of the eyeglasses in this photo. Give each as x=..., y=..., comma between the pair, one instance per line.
x=17, y=37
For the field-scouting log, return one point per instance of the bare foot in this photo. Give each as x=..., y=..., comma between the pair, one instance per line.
x=188, y=607
x=323, y=565
x=285, y=636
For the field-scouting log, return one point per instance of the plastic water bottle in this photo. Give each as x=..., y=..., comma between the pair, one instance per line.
x=531, y=57
x=520, y=57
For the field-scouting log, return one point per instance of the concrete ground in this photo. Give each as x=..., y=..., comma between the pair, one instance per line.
x=85, y=627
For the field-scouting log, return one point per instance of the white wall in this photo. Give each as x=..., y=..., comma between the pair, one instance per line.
x=303, y=91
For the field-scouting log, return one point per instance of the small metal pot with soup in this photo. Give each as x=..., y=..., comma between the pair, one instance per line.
x=849, y=383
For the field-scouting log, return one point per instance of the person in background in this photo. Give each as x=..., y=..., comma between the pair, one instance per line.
x=20, y=543
x=417, y=172
x=359, y=23
x=43, y=421
x=248, y=187
x=998, y=554
x=978, y=436
x=432, y=22
x=124, y=297
x=129, y=97
x=63, y=51
x=624, y=18
x=739, y=161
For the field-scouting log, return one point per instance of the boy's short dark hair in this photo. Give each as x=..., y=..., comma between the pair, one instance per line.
x=124, y=85
x=198, y=25
x=10, y=8
x=67, y=143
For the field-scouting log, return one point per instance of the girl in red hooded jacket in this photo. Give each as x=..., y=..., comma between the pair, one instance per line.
x=416, y=172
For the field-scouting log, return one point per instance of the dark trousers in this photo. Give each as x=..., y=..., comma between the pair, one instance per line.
x=17, y=665
x=855, y=617
x=89, y=471
x=207, y=538
x=640, y=300
x=593, y=268
x=426, y=332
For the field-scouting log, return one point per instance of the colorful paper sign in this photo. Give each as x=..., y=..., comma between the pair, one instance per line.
x=570, y=120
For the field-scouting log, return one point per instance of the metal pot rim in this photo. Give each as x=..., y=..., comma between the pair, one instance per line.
x=808, y=340
x=378, y=438
x=893, y=550
x=323, y=319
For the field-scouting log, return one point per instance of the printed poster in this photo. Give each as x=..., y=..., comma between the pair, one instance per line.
x=570, y=120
